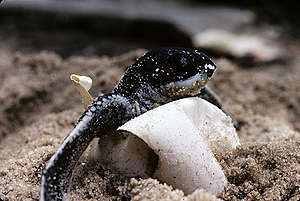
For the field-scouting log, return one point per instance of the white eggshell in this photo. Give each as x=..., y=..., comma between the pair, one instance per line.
x=183, y=134
x=125, y=153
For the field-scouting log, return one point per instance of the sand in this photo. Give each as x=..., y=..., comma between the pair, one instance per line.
x=39, y=106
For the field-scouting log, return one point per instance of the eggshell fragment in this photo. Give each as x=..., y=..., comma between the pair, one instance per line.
x=83, y=84
x=84, y=81
x=183, y=134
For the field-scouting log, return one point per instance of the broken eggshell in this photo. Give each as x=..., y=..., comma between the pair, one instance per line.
x=83, y=85
x=174, y=143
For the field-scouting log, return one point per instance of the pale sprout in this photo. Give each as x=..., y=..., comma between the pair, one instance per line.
x=83, y=85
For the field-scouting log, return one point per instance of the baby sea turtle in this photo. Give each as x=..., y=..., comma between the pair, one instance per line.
x=159, y=77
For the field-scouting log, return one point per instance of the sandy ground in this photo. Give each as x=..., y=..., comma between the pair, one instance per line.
x=39, y=106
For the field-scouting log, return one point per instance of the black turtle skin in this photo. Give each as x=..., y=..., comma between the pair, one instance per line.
x=147, y=84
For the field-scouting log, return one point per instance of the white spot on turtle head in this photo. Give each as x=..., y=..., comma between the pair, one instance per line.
x=183, y=60
x=209, y=66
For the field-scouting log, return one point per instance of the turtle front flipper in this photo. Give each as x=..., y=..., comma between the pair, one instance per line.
x=58, y=171
x=207, y=94
x=105, y=114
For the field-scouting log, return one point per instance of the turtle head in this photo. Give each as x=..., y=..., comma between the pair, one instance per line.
x=174, y=72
